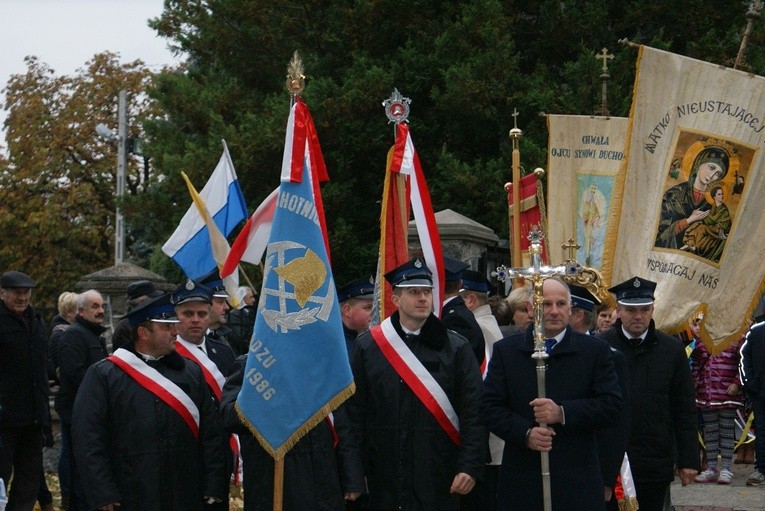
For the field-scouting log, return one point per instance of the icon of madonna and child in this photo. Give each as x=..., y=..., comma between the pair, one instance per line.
x=697, y=213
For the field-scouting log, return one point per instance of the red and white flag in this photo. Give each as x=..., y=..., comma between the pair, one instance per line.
x=251, y=243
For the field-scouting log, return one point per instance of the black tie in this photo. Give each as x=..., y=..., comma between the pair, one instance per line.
x=635, y=342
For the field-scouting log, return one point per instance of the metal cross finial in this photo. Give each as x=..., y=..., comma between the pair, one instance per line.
x=571, y=247
x=515, y=118
x=605, y=57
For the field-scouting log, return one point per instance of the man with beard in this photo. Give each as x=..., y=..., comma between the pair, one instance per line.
x=662, y=395
x=81, y=346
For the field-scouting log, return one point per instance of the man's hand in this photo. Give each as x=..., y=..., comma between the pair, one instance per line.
x=687, y=475
x=462, y=484
x=110, y=507
x=540, y=439
x=608, y=493
x=350, y=496
x=546, y=411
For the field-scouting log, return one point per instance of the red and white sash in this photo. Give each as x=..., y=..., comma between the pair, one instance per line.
x=419, y=379
x=215, y=380
x=159, y=385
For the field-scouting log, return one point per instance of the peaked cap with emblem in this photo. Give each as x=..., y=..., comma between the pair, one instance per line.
x=475, y=281
x=634, y=291
x=214, y=282
x=413, y=273
x=581, y=298
x=191, y=291
x=453, y=268
x=158, y=310
x=363, y=289
x=16, y=280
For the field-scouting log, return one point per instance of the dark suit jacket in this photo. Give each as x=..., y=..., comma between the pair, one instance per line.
x=456, y=316
x=580, y=377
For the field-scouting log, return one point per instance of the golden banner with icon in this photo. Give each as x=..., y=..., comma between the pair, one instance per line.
x=583, y=157
x=688, y=201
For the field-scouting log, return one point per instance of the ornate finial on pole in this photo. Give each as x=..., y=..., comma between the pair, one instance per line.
x=397, y=107
x=515, y=240
x=295, y=77
x=755, y=6
x=604, y=76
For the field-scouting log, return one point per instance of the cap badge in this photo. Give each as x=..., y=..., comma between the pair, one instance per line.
x=189, y=284
x=636, y=282
x=417, y=263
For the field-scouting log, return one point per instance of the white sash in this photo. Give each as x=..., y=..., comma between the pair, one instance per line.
x=159, y=385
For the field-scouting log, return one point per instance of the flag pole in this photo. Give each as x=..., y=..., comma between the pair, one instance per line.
x=295, y=84
x=515, y=241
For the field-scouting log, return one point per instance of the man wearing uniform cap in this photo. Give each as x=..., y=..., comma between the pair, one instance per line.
x=415, y=410
x=454, y=314
x=138, y=292
x=146, y=430
x=193, y=305
x=23, y=389
x=662, y=396
x=215, y=357
x=355, y=300
x=219, y=306
x=582, y=304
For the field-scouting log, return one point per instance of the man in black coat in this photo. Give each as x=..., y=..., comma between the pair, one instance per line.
x=415, y=412
x=146, y=430
x=80, y=347
x=454, y=313
x=662, y=396
x=355, y=300
x=23, y=390
x=321, y=471
x=583, y=396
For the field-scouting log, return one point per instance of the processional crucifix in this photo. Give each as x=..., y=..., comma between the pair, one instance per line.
x=537, y=274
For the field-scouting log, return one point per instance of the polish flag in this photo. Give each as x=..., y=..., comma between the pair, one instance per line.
x=251, y=243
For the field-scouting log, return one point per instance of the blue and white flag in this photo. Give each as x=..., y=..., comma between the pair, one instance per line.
x=297, y=368
x=190, y=245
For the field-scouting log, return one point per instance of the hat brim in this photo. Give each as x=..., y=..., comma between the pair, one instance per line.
x=636, y=302
x=192, y=299
x=415, y=283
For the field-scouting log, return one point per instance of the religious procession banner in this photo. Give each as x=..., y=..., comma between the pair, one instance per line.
x=688, y=203
x=532, y=216
x=584, y=154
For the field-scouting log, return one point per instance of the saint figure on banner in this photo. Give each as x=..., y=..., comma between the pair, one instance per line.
x=695, y=215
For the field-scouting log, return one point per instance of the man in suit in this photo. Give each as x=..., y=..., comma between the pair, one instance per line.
x=583, y=396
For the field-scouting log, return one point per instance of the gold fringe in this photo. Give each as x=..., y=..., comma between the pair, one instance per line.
x=629, y=504
x=281, y=451
x=614, y=218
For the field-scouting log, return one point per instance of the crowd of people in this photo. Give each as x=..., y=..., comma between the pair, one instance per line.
x=447, y=413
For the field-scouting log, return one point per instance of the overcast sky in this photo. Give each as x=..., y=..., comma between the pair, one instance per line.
x=65, y=34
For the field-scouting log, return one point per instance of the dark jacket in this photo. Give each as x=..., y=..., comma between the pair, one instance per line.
x=752, y=364
x=241, y=322
x=410, y=461
x=316, y=473
x=131, y=447
x=23, y=368
x=456, y=316
x=219, y=352
x=80, y=347
x=57, y=327
x=663, y=405
x=613, y=441
x=580, y=377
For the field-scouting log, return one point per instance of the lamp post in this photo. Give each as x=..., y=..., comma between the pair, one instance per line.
x=122, y=140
